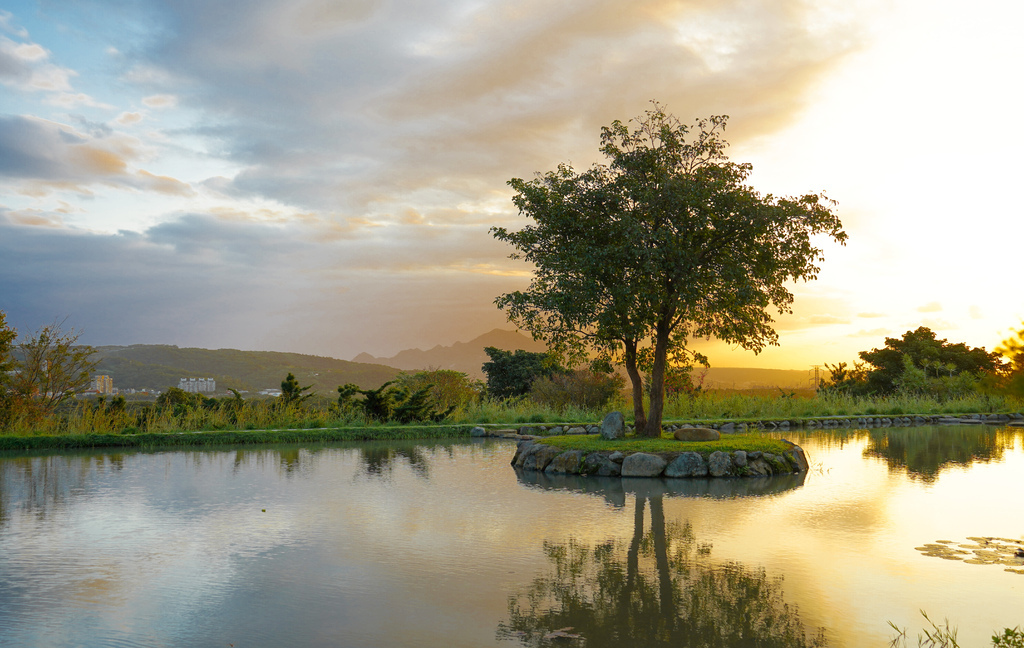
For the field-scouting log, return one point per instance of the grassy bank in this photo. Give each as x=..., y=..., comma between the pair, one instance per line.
x=229, y=437
x=144, y=424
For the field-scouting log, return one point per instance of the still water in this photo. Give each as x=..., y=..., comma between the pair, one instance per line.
x=443, y=544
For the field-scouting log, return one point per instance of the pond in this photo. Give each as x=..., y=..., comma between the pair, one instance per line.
x=443, y=544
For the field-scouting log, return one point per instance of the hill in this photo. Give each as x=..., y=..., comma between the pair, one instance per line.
x=159, y=366
x=467, y=357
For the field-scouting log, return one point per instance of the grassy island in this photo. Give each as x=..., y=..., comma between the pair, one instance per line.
x=628, y=445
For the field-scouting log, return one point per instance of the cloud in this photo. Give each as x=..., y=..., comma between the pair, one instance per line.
x=976, y=312
x=930, y=307
x=349, y=107
x=47, y=154
x=221, y=281
x=870, y=315
x=876, y=332
x=160, y=101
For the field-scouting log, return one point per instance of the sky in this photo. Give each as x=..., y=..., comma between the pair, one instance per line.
x=321, y=177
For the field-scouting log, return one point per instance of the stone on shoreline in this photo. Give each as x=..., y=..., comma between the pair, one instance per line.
x=697, y=434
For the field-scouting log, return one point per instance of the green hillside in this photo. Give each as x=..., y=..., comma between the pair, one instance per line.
x=159, y=366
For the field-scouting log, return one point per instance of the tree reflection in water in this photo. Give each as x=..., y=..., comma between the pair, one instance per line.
x=663, y=589
x=924, y=451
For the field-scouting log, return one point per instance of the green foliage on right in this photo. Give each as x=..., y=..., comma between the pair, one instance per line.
x=916, y=364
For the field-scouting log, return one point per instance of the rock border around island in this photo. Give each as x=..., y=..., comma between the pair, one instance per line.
x=532, y=454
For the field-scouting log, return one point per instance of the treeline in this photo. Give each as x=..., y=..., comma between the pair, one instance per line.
x=919, y=364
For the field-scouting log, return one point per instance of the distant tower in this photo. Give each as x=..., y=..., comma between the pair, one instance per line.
x=102, y=384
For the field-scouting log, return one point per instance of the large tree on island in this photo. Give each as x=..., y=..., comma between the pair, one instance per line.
x=663, y=244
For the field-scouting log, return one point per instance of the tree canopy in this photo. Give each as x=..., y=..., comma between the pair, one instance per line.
x=921, y=350
x=663, y=244
x=511, y=374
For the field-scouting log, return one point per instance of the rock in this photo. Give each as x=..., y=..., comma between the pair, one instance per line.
x=727, y=427
x=739, y=458
x=577, y=430
x=642, y=464
x=719, y=464
x=598, y=464
x=613, y=426
x=557, y=430
x=758, y=467
x=567, y=462
x=478, y=432
x=797, y=457
x=617, y=457
x=541, y=457
x=687, y=464
x=697, y=434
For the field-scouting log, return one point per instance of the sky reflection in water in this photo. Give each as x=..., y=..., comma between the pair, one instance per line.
x=444, y=544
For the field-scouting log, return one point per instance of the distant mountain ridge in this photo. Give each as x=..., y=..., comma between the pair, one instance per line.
x=467, y=357
x=159, y=366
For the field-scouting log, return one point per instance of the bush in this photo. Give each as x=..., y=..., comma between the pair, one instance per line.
x=580, y=388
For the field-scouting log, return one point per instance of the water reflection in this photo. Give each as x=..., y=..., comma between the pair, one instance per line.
x=922, y=452
x=615, y=489
x=663, y=589
x=925, y=451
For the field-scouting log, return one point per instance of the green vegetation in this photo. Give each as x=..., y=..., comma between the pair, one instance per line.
x=944, y=636
x=182, y=439
x=728, y=443
x=664, y=244
x=511, y=374
x=917, y=363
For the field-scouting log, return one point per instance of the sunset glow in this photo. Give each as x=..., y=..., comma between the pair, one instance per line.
x=320, y=177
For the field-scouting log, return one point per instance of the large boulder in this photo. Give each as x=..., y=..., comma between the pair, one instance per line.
x=642, y=464
x=687, y=464
x=719, y=464
x=597, y=463
x=797, y=457
x=613, y=426
x=567, y=462
x=540, y=457
x=697, y=434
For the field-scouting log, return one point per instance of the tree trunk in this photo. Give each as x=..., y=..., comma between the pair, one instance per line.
x=653, y=426
x=639, y=418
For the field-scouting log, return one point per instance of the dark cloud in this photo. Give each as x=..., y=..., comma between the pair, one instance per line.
x=214, y=282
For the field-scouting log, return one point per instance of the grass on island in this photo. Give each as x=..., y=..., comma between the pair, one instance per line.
x=728, y=443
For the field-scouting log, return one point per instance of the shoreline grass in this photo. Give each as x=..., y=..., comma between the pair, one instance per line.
x=231, y=437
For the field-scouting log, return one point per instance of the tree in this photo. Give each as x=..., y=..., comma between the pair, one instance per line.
x=664, y=244
x=923, y=356
x=511, y=374
x=291, y=393
x=50, y=367
x=448, y=388
x=1012, y=378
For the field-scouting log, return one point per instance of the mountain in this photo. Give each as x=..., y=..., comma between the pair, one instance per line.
x=159, y=366
x=467, y=357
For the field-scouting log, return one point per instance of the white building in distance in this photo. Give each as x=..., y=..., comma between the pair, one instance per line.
x=198, y=385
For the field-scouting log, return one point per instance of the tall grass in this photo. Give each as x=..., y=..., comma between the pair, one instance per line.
x=90, y=418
